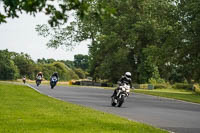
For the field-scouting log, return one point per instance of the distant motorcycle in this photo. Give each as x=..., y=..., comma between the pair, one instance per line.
x=53, y=81
x=122, y=94
x=24, y=80
x=38, y=80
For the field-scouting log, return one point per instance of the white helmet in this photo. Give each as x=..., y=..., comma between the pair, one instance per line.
x=128, y=74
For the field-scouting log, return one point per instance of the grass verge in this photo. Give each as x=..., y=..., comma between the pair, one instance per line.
x=179, y=94
x=24, y=110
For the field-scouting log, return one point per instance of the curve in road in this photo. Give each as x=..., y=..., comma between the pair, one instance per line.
x=169, y=114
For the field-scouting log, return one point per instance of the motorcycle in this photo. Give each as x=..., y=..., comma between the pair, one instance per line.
x=122, y=94
x=24, y=80
x=38, y=80
x=53, y=81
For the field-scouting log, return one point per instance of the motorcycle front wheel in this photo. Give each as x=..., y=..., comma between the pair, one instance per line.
x=121, y=101
x=113, y=101
x=52, y=85
x=38, y=83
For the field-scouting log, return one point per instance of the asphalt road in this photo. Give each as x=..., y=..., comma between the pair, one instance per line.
x=172, y=115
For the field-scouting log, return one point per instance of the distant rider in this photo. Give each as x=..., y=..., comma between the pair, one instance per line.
x=24, y=79
x=125, y=79
x=55, y=74
x=39, y=75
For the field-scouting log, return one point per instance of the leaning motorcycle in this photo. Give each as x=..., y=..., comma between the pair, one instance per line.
x=122, y=94
x=53, y=81
x=38, y=80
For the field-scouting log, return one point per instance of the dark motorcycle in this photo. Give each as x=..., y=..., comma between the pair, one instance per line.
x=38, y=80
x=24, y=80
x=53, y=81
x=122, y=94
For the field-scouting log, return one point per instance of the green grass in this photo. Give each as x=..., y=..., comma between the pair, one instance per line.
x=23, y=110
x=179, y=94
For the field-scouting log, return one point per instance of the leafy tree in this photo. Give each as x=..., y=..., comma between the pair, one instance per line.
x=188, y=55
x=57, y=9
x=81, y=61
x=15, y=65
x=25, y=64
x=68, y=63
x=154, y=40
x=8, y=69
x=64, y=72
x=136, y=26
x=45, y=61
x=81, y=74
x=41, y=61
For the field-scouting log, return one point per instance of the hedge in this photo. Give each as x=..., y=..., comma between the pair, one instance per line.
x=182, y=86
x=196, y=88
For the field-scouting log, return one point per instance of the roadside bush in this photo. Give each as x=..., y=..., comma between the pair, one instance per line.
x=143, y=86
x=182, y=86
x=156, y=81
x=64, y=72
x=196, y=88
x=47, y=70
x=80, y=73
x=160, y=86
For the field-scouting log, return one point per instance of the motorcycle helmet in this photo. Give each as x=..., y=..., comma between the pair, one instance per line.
x=55, y=73
x=128, y=74
x=40, y=73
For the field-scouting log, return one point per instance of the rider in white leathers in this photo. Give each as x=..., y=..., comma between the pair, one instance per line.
x=125, y=79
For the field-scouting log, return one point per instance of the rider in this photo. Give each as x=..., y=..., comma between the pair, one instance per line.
x=39, y=74
x=24, y=79
x=55, y=74
x=126, y=78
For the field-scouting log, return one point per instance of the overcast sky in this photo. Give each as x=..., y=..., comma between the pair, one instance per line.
x=19, y=35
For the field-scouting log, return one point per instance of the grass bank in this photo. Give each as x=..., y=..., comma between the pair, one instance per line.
x=24, y=110
x=179, y=94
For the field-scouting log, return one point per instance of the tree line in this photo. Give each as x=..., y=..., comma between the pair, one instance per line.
x=157, y=41
x=16, y=65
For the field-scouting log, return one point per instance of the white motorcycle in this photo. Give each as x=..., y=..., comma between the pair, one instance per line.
x=122, y=94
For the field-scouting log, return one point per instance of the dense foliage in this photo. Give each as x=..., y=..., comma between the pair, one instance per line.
x=16, y=65
x=8, y=70
x=157, y=41
x=57, y=10
x=64, y=72
x=81, y=61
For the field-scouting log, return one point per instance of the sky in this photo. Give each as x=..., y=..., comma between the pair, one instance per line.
x=19, y=35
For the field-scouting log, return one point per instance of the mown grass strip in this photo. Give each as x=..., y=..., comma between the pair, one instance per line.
x=178, y=94
x=23, y=110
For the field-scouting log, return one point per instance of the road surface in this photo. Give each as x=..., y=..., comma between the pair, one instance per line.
x=169, y=114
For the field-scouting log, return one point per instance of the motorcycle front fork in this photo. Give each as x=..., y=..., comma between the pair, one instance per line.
x=118, y=91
